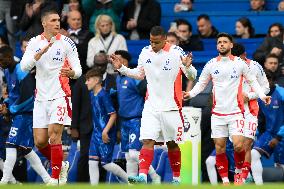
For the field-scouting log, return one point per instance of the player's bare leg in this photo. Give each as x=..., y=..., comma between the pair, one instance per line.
x=239, y=156
x=145, y=160
x=174, y=155
x=221, y=159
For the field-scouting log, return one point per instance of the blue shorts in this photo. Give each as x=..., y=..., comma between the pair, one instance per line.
x=130, y=133
x=21, y=132
x=261, y=144
x=100, y=150
x=279, y=152
x=230, y=155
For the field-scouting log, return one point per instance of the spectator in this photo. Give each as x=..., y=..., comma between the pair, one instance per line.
x=172, y=38
x=73, y=5
x=3, y=40
x=205, y=28
x=94, y=8
x=184, y=6
x=139, y=16
x=257, y=5
x=270, y=45
x=80, y=36
x=272, y=64
x=106, y=40
x=244, y=28
x=30, y=21
x=281, y=6
x=187, y=41
x=5, y=16
x=275, y=30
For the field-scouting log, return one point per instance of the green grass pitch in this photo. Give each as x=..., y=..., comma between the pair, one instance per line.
x=163, y=186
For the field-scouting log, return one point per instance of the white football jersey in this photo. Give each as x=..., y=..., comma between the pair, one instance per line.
x=161, y=70
x=63, y=53
x=227, y=75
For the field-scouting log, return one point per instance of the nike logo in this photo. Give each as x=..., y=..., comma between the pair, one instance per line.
x=194, y=135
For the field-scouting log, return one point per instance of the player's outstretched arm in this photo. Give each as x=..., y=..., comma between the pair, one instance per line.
x=136, y=73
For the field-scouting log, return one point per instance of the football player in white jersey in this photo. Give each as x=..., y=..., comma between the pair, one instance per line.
x=56, y=60
x=251, y=107
x=226, y=73
x=161, y=120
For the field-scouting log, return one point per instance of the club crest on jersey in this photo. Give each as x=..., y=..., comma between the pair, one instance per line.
x=166, y=67
x=57, y=52
x=234, y=75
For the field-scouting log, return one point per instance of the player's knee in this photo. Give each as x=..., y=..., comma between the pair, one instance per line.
x=55, y=138
x=238, y=147
x=220, y=148
x=210, y=161
x=148, y=143
x=40, y=142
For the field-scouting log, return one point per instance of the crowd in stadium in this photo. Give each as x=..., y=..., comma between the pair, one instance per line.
x=92, y=90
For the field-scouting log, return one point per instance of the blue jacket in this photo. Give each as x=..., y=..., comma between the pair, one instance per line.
x=274, y=113
x=130, y=94
x=21, y=88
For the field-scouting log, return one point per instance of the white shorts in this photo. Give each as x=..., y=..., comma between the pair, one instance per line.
x=54, y=111
x=161, y=126
x=251, y=124
x=227, y=126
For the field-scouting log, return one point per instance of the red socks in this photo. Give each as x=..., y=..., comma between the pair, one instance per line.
x=246, y=169
x=46, y=151
x=239, y=159
x=175, y=161
x=145, y=160
x=222, y=164
x=56, y=160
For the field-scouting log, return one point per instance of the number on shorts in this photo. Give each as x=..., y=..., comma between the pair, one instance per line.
x=179, y=133
x=240, y=123
x=132, y=138
x=252, y=126
x=13, y=132
x=61, y=112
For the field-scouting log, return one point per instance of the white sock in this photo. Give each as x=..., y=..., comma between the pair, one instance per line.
x=211, y=170
x=256, y=167
x=13, y=179
x=116, y=170
x=11, y=156
x=152, y=172
x=94, y=172
x=36, y=164
x=131, y=165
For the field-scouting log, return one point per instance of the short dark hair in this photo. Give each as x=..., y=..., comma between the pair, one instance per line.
x=238, y=49
x=94, y=73
x=272, y=56
x=279, y=25
x=6, y=50
x=271, y=76
x=25, y=38
x=124, y=54
x=47, y=13
x=184, y=22
x=204, y=16
x=223, y=34
x=157, y=30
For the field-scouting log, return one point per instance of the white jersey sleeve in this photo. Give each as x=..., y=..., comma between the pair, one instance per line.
x=73, y=57
x=256, y=68
x=251, y=79
x=136, y=73
x=28, y=61
x=203, y=80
